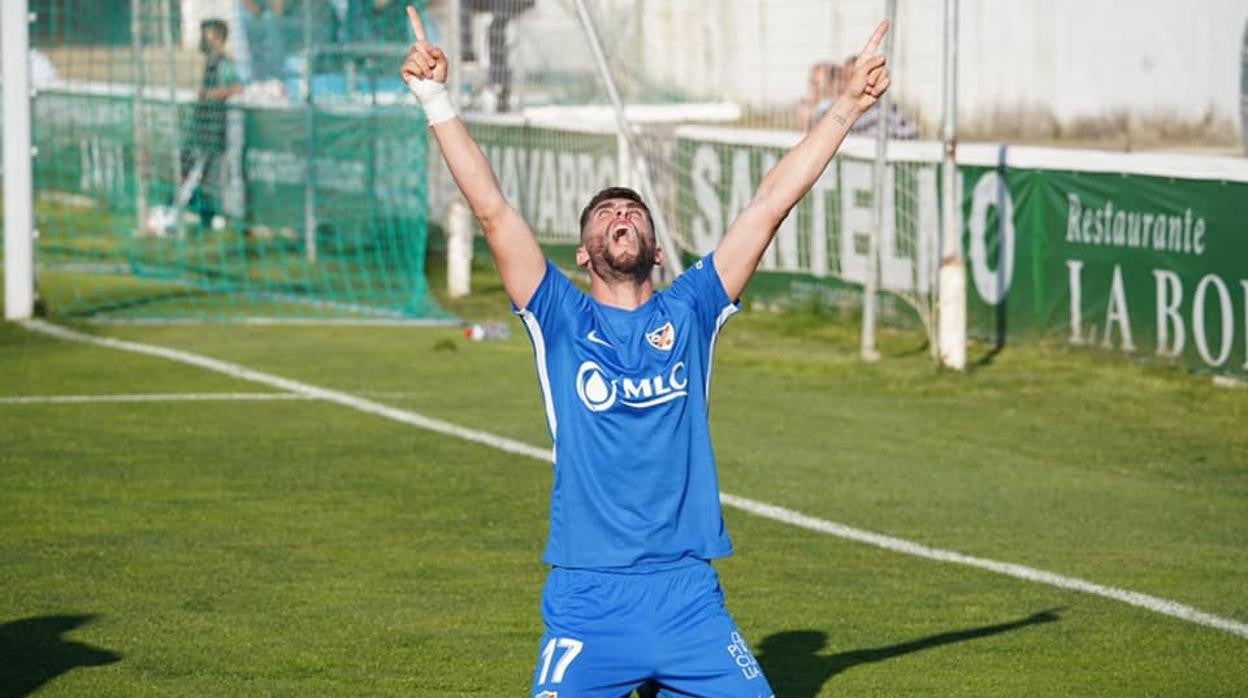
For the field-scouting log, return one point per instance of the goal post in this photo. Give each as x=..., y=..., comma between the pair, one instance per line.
x=951, y=335
x=19, y=261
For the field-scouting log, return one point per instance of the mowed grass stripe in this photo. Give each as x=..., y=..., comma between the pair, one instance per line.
x=283, y=548
x=1151, y=603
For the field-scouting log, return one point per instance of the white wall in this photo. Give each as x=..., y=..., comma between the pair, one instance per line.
x=1085, y=56
x=1077, y=57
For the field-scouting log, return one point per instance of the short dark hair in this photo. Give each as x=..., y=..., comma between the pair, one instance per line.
x=216, y=25
x=614, y=193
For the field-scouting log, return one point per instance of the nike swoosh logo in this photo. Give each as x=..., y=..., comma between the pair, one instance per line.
x=593, y=337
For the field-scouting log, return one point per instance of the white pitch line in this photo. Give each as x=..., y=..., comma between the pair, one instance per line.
x=1031, y=574
x=768, y=511
x=144, y=397
x=271, y=322
x=178, y=397
x=293, y=386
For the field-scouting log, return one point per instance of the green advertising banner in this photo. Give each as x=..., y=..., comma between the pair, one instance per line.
x=820, y=253
x=85, y=147
x=547, y=168
x=1144, y=265
x=367, y=161
x=548, y=173
x=364, y=170
x=308, y=210
x=1143, y=255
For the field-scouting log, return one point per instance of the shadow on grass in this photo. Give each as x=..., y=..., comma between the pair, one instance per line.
x=34, y=651
x=794, y=665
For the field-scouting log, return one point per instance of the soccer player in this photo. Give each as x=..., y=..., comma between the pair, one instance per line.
x=625, y=375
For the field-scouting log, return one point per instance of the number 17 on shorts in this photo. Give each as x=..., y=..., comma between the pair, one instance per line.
x=557, y=655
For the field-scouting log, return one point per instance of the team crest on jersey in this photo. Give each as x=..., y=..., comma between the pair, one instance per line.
x=662, y=338
x=547, y=694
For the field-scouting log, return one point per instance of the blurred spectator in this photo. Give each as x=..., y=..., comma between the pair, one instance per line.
x=323, y=24
x=205, y=141
x=501, y=13
x=820, y=92
x=383, y=21
x=264, y=33
x=899, y=125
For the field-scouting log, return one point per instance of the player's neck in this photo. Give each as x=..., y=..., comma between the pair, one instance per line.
x=624, y=295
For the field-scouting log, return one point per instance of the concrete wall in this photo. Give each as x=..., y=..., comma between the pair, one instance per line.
x=1079, y=58
x=1055, y=59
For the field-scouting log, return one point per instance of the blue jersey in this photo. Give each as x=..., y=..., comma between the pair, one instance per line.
x=626, y=395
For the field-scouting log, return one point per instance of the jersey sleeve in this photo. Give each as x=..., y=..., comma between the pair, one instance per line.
x=700, y=288
x=552, y=300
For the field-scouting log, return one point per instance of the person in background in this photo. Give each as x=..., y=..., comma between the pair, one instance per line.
x=501, y=13
x=265, y=35
x=820, y=92
x=205, y=141
x=374, y=25
x=899, y=125
x=378, y=21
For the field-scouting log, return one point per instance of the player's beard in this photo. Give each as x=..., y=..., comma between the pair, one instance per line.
x=627, y=267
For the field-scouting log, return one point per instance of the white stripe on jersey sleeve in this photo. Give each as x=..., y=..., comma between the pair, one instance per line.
x=543, y=376
x=728, y=311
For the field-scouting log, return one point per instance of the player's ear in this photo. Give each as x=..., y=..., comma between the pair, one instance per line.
x=582, y=257
x=658, y=255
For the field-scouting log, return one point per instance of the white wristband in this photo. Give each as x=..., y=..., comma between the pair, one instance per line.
x=434, y=99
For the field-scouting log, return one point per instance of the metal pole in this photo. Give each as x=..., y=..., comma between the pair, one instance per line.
x=19, y=243
x=671, y=260
x=175, y=150
x=1243, y=88
x=951, y=305
x=454, y=45
x=136, y=115
x=309, y=154
x=868, y=349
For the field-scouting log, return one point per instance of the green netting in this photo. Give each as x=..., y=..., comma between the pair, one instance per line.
x=228, y=160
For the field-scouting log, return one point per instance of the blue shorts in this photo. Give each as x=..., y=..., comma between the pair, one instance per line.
x=609, y=632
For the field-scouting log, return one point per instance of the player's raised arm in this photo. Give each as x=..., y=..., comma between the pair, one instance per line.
x=738, y=254
x=520, y=261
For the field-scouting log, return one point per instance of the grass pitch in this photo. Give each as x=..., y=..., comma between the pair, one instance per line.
x=296, y=547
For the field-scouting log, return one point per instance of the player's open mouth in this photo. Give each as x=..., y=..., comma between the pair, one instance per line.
x=620, y=233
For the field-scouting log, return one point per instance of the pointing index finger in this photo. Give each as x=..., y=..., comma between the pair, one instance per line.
x=873, y=44
x=417, y=28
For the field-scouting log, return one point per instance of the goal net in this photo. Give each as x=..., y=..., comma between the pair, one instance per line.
x=227, y=160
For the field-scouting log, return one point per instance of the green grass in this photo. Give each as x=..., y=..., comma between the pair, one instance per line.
x=301, y=548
